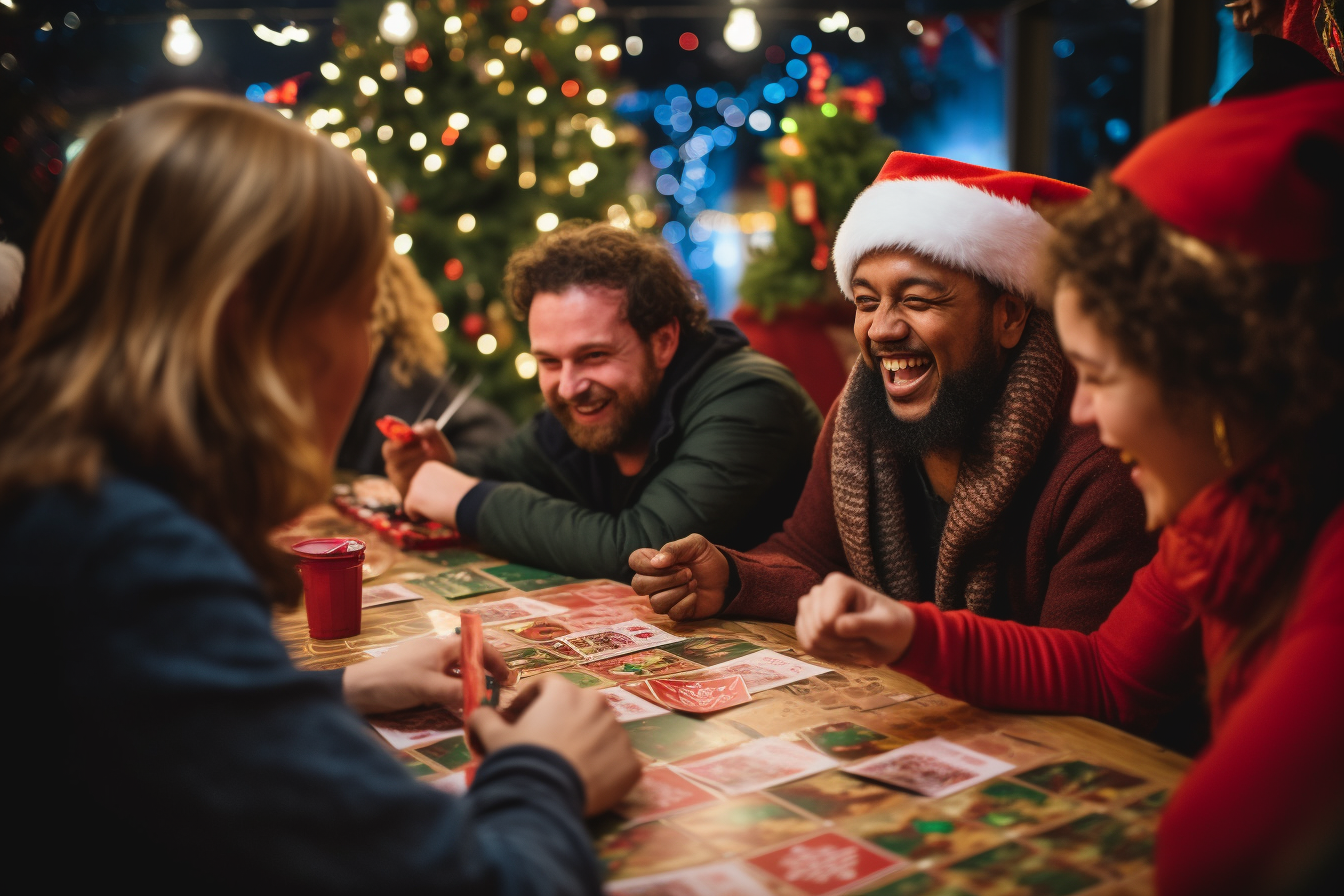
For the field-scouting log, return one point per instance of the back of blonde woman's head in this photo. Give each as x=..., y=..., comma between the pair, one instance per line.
x=191, y=232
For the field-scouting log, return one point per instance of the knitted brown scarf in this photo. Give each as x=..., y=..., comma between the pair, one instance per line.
x=866, y=477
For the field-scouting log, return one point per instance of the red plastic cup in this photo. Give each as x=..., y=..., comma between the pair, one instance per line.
x=333, y=581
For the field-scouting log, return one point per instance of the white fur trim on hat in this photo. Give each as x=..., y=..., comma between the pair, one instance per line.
x=11, y=276
x=962, y=227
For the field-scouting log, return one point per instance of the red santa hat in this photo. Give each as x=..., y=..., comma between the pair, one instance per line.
x=978, y=220
x=1230, y=175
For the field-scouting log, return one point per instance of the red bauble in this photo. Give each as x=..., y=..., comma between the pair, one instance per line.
x=473, y=325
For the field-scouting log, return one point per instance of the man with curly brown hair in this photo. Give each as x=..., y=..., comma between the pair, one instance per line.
x=658, y=421
x=947, y=471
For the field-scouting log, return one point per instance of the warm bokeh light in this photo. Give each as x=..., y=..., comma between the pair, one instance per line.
x=487, y=344
x=526, y=365
x=466, y=223
x=440, y=321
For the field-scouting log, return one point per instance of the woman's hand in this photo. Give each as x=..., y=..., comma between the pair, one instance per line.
x=419, y=672
x=841, y=619
x=575, y=723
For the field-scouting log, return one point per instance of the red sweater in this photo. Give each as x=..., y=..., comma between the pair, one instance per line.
x=1272, y=775
x=1068, y=543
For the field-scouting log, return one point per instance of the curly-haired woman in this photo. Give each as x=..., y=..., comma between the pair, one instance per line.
x=1200, y=294
x=194, y=336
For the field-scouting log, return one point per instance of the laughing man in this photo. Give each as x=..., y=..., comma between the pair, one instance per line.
x=948, y=470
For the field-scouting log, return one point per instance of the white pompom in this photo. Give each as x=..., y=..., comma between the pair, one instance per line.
x=11, y=276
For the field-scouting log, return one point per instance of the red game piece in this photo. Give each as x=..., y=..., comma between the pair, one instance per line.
x=395, y=428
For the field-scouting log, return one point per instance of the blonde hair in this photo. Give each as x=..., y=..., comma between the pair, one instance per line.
x=188, y=236
x=403, y=314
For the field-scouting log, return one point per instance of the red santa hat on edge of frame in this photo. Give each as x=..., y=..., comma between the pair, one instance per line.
x=1232, y=175
x=974, y=219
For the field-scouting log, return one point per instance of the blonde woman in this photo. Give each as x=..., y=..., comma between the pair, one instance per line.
x=409, y=360
x=194, y=338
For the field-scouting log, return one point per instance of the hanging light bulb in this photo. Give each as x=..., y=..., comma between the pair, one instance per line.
x=743, y=32
x=182, y=45
x=397, y=24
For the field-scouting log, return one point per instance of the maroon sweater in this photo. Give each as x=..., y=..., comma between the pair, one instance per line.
x=1068, y=544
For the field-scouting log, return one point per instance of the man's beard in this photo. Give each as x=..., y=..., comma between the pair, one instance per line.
x=963, y=401
x=631, y=420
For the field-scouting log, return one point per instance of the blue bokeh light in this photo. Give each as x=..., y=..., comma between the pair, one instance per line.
x=1064, y=48
x=256, y=93
x=702, y=258
x=801, y=44
x=674, y=231
x=681, y=122
x=706, y=97
x=685, y=195
x=796, y=68
x=667, y=184
x=773, y=93
x=663, y=114
x=662, y=156
x=724, y=135
x=734, y=117
x=1117, y=130
x=674, y=91
x=790, y=86
x=680, y=104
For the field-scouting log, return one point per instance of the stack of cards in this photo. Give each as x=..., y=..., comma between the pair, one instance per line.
x=697, y=697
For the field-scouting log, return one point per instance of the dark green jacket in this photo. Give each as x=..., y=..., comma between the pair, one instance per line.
x=730, y=451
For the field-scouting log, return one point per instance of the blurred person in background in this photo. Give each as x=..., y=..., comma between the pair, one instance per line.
x=408, y=369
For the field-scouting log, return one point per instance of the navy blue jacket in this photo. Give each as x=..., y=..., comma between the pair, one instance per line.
x=197, y=754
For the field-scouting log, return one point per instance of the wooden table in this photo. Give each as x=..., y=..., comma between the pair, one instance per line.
x=1081, y=821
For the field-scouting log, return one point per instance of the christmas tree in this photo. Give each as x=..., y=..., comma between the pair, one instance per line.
x=487, y=123
x=830, y=151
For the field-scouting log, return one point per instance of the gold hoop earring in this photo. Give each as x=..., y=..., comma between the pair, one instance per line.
x=1220, y=439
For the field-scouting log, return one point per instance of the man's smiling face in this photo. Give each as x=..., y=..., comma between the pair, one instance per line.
x=936, y=338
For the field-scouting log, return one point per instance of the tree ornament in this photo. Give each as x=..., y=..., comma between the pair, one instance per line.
x=473, y=325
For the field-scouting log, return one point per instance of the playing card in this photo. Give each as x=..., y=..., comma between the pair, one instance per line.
x=387, y=594
x=756, y=765
x=746, y=823
x=834, y=795
x=412, y=728
x=527, y=578
x=719, y=879
x=825, y=863
x=591, y=616
x=472, y=662
x=712, y=650
x=624, y=637
x=538, y=631
x=529, y=660
x=511, y=609
x=1007, y=805
x=915, y=833
x=710, y=695
x=458, y=583
x=1010, y=747
x=1014, y=868
x=1114, y=846
x=650, y=848
x=583, y=679
x=628, y=707
x=452, y=557
x=660, y=792
x=933, y=767
x=639, y=666
x=760, y=671
x=845, y=740
x=1083, y=780
x=669, y=737
x=452, y=753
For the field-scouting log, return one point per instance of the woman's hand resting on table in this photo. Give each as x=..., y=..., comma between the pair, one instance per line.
x=417, y=673
x=577, y=724
x=841, y=619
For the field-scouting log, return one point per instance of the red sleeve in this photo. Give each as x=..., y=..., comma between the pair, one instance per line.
x=1272, y=782
x=783, y=569
x=1136, y=665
